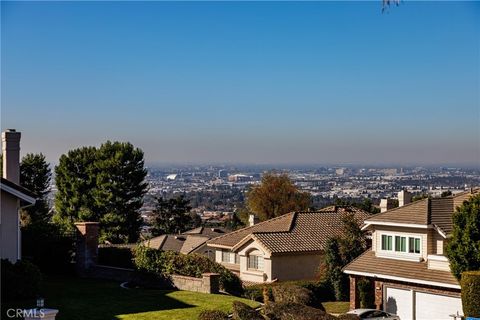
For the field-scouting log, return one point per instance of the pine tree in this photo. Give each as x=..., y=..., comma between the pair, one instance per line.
x=35, y=175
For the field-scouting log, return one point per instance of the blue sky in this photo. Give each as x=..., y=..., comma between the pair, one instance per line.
x=246, y=82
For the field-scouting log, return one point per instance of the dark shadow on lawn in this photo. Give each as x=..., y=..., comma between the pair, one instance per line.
x=80, y=299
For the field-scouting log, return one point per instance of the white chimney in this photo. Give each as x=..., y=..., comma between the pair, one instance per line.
x=386, y=204
x=404, y=197
x=252, y=220
x=11, y=155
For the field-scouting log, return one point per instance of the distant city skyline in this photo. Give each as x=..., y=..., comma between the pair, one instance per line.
x=309, y=83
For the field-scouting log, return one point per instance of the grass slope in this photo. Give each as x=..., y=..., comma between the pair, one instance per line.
x=79, y=299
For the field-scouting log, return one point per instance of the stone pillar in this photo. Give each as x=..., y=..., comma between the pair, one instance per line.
x=87, y=246
x=354, y=296
x=211, y=282
x=378, y=294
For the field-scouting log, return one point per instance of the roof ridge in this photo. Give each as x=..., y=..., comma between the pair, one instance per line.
x=255, y=225
x=397, y=208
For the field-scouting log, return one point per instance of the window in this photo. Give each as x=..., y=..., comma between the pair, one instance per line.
x=237, y=259
x=414, y=245
x=225, y=256
x=386, y=242
x=255, y=262
x=400, y=244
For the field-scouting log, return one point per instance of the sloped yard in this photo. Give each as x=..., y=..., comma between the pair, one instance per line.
x=79, y=299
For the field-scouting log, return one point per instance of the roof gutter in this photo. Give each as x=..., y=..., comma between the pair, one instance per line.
x=396, y=224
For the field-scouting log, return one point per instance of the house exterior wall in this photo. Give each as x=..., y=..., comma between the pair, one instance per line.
x=9, y=228
x=295, y=267
x=255, y=275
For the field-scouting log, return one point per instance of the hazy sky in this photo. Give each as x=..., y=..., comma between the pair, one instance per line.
x=250, y=82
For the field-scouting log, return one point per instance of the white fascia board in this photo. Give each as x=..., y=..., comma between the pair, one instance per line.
x=18, y=194
x=417, y=281
x=218, y=246
x=397, y=224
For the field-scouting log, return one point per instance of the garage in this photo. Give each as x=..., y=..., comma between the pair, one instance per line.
x=399, y=302
x=436, y=307
x=427, y=306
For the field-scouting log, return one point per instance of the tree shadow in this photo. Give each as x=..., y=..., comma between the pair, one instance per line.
x=392, y=305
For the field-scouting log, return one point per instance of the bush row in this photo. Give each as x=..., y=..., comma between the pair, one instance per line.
x=20, y=280
x=193, y=265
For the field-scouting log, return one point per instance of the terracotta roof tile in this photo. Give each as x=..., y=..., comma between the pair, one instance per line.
x=369, y=263
x=295, y=232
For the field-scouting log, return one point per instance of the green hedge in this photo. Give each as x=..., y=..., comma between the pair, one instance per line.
x=121, y=257
x=321, y=290
x=20, y=280
x=242, y=311
x=470, y=284
x=366, y=293
x=192, y=265
x=295, y=311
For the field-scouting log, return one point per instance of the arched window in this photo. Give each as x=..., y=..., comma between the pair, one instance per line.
x=255, y=260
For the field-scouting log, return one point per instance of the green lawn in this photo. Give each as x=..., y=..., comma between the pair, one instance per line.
x=336, y=307
x=95, y=299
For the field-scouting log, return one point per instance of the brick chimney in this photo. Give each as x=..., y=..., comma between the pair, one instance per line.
x=11, y=155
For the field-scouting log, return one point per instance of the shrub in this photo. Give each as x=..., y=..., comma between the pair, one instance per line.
x=49, y=248
x=366, y=293
x=192, y=265
x=20, y=280
x=470, y=284
x=121, y=257
x=321, y=290
x=212, y=315
x=295, y=311
x=291, y=293
x=241, y=311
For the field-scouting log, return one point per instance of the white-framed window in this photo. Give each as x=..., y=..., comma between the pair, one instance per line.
x=387, y=242
x=237, y=258
x=226, y=256
x=401, y=243
x=414, y=244
x=255, y=262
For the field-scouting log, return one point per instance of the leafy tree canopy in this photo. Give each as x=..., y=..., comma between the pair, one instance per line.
x=276, y=195
x=171, y=216
x=463, y=249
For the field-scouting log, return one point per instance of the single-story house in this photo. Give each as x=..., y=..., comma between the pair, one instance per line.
x=191, y=241
x=288, y=247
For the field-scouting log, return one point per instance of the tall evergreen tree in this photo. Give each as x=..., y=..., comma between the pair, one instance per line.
x=120, y=187
x=105, y=184
x=171, y=215
x=463, y=248
x=75, y=180
x=35, y=175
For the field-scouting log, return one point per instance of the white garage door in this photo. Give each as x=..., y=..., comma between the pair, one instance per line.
x=399, y=302
x=435, y=307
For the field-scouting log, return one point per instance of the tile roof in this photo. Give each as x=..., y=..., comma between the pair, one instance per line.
x=185, y=242
x=293, y=232
x=436, y=211
x=410, y=270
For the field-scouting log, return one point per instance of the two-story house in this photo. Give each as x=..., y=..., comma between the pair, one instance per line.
x=409, y=271
x=288, y=247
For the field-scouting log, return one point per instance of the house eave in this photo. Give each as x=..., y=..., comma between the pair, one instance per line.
x=18, y=194
x=396, y=224
x=416, y=281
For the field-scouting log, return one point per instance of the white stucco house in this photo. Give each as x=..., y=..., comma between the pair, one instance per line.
x=288, y=247
x=13, y=198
